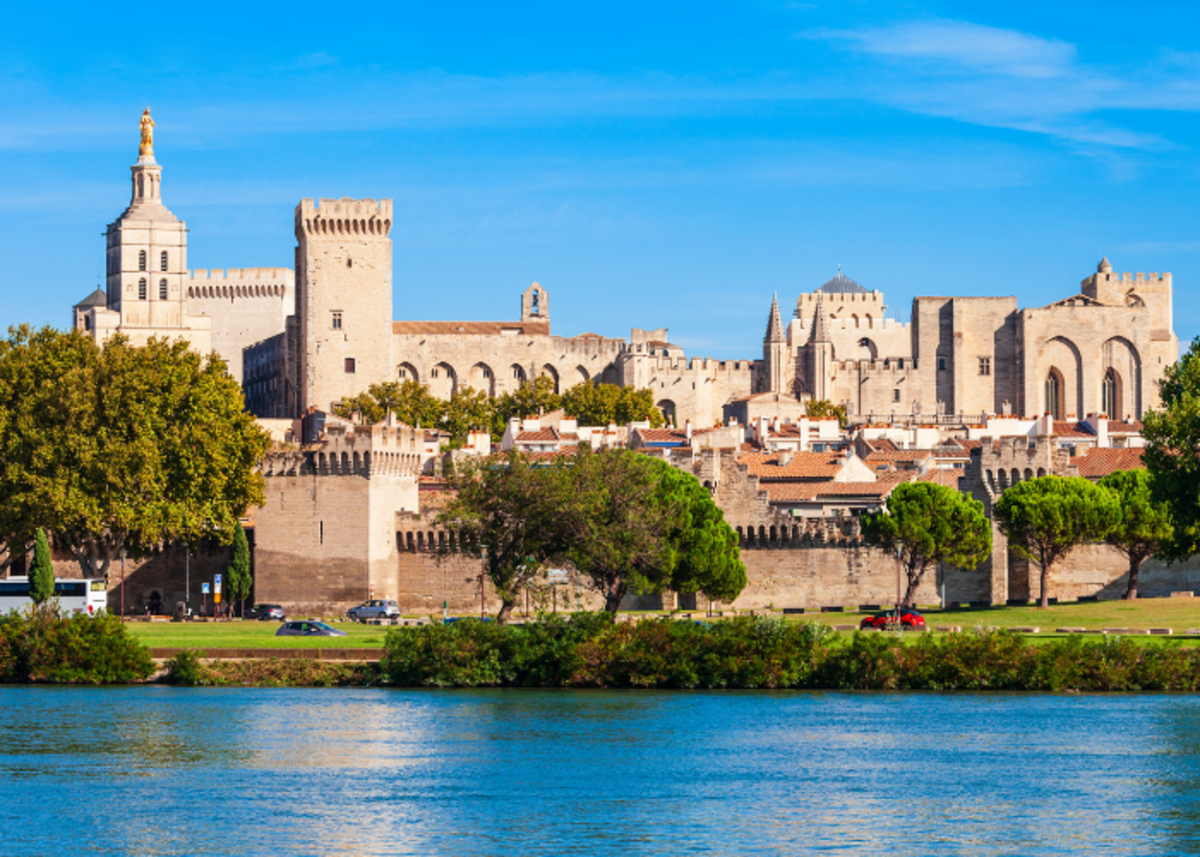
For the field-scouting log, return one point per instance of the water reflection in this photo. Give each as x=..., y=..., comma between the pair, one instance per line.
x=172, y=771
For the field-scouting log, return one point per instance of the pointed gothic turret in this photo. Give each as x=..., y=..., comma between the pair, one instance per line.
x=820, y=356
x=774, y=323
x=820, y=327
x=778, y=373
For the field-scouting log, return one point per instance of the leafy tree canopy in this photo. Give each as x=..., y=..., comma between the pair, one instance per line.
x=602, y=404
x=1172, y=454
x=927, y=523
x=1143, y=525
x=1046, y=518
x=509, y=510
x=122, y=447
x=708, y=557
x=819, y=409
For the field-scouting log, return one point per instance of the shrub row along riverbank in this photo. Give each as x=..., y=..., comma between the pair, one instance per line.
x=765, y=653
x=591, y=651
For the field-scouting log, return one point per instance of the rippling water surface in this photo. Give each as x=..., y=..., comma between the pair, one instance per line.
x=157, y=770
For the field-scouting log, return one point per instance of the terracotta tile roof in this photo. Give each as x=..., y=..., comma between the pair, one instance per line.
x=663, y=435
x=785, y=492
x=899, y=455
x=1097, y=463
x=1066, y=428
x=804, y=465
x=968, y=445
x=1122, y=427
x=471, y=328
x=543, y=435
x=882, y=444
x=949, y=477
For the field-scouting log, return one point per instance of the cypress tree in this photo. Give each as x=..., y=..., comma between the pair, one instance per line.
x=239, y=569
x=41, y=574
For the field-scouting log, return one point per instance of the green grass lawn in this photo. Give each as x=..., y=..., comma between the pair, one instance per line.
x=249, y=635
x=1177, y=613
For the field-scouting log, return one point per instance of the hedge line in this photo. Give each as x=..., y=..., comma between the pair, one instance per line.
x=750, y=652
x=40, y=645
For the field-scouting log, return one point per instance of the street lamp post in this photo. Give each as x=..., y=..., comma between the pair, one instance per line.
x=187, y=581
x=122, y=555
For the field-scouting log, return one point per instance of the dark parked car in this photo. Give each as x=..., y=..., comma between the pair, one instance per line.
x=909, y=618
x=266, y=611
x=308, y=629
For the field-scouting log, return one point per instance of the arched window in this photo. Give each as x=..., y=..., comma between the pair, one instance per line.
x=162, y=261
x=1110, y=395
x=141, y=260
x=1054, y=395
x=536, y=302
x=162, y=290
x=142, y=289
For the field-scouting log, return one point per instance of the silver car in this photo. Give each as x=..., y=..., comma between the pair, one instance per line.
x=376, y=608
x=308, y=629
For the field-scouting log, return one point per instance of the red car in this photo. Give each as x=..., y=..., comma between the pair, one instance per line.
x=885, y=619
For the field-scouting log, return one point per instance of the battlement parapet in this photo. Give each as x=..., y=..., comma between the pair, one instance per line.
x=899, y=366
x=240, y=275
x=872, y=297
x=367, y=451
x=785, y=533
x=340, y=217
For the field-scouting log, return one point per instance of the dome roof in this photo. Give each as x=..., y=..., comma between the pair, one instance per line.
x=96, y=298
x=1104, y=267
x=841, y=284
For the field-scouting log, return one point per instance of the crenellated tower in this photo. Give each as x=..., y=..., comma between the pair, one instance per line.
x=343, y=298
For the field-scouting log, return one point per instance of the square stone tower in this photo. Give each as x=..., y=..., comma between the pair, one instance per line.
x=343, y=298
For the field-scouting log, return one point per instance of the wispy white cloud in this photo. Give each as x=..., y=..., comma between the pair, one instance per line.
x=1010, y=79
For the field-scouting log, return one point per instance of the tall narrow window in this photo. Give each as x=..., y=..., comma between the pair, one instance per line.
x=1110, y=396
x=1052, y=396
x=985, y=366
x=142, y=289
x=163, y=261
x=162, y=290
x=349, y=365
x=337, y=320
x=941, y=364
x=141, y=260
x=896, y=395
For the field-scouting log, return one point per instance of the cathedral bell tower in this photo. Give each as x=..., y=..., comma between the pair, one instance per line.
x=146, y=264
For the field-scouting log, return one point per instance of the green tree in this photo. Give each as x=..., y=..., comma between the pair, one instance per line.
x=468, y=409
x=818, y=409
x=363, y=409
x=238, y=580
x=507, y=512
x=529, y=400
x=41, y=573
x=708, y=557
x=602, y=404
x=122, y=447
x=1172, y=454
x=924, y=524
x=1143, y=526
x=1046, y=518
x=409, y=402
x=622, y=527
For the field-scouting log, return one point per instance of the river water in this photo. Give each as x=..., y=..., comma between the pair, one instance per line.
x=166, y=771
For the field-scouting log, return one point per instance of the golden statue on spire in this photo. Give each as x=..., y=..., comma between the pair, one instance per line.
x=147, y=147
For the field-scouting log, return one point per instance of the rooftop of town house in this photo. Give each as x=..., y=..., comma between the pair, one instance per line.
x=949, y=477
x=546, y=434
x=1124, y=427
x=796, y=492
x=1070, y=428
x=800, y=465
x=1098, y=463
x=898, y=455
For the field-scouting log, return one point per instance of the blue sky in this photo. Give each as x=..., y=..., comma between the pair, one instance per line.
x=651, y=165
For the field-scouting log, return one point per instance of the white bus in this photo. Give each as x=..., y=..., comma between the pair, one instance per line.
x=88, y=596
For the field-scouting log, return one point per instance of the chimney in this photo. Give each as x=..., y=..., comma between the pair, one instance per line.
x=785, y=456
x=687, y=430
